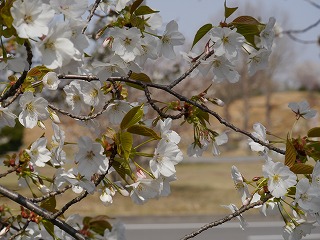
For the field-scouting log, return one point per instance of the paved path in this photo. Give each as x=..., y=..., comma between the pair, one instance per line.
x=174, y=228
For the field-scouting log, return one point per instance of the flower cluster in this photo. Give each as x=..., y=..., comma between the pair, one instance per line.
x=283, y=181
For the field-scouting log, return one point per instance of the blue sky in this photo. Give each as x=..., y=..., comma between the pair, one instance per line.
x=296, y=14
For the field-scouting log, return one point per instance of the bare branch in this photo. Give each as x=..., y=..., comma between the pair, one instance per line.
x=51, y=194
x=15, y=87
x=16, y=197
x=82, y=118
x=93, y=9
x=21, y=230
x=9, y=171
x=313, y=3
x=227, y=218
x=291, y=33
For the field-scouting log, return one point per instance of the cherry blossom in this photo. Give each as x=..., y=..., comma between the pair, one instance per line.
x=31, y=19
x=7, y=118
x=51, y=81
x=316, y=175
x=70, y=8
x=74, y=96
x=280, y=178
x=167, y=133
x=194, y=150
x=267, y=34
x=297, y=229
x=258, y=60
x=143, y=190
x=241, y=186
x=126, y=43
x=38, y=152
x=222, y=69
x=106, y=196
x=219, y=140
x=56, y=48
x=91, y=93
x=307, y=196
x=116, y=111
x=117, y=232
x=89, y=158
x=226, y=42
x=121, y=4
x=166, y=155
x=302, y=109
x=73, y=177
x=56, y=146
x=33, y=109
x=171, y=37
x=260, y=133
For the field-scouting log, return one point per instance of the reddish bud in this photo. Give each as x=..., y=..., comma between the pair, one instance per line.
x=255, y=179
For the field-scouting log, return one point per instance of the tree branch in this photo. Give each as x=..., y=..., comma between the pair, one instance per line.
x=167, y=88
x=15, y=87
x=16, y=197
x=227, y=218
x=291, y=33
x=93, y=9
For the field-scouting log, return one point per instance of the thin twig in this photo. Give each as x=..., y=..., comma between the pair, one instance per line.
x=157, y=109
x=82, y=118
x=9, y=171
x=227, y=218
x=291, y=33
x=51, y=194
x=93, y=9
x=21, y=230
x=15, y=87
x=190, y=70
x=313, y=3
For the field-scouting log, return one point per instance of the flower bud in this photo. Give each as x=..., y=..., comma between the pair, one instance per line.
x=54, y=117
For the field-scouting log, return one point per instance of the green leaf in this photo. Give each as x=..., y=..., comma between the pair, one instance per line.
x=49, y=204
x=314, y=132
x=8, y=32
x=301, y=168
x=143, y=131
x=122, y=167
x=38, y=71
x=291, y=154
x=313, y=150
x=135, y=5
x=144, y=10
x=139, y=77
x=99, y=224
x=248, y=26
x=201, y=32
x=126, y=141
x=292, y=191
x=132, y=117
x=203, y=116
x=228, y=11
x=49, y=227
x=5, y=13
